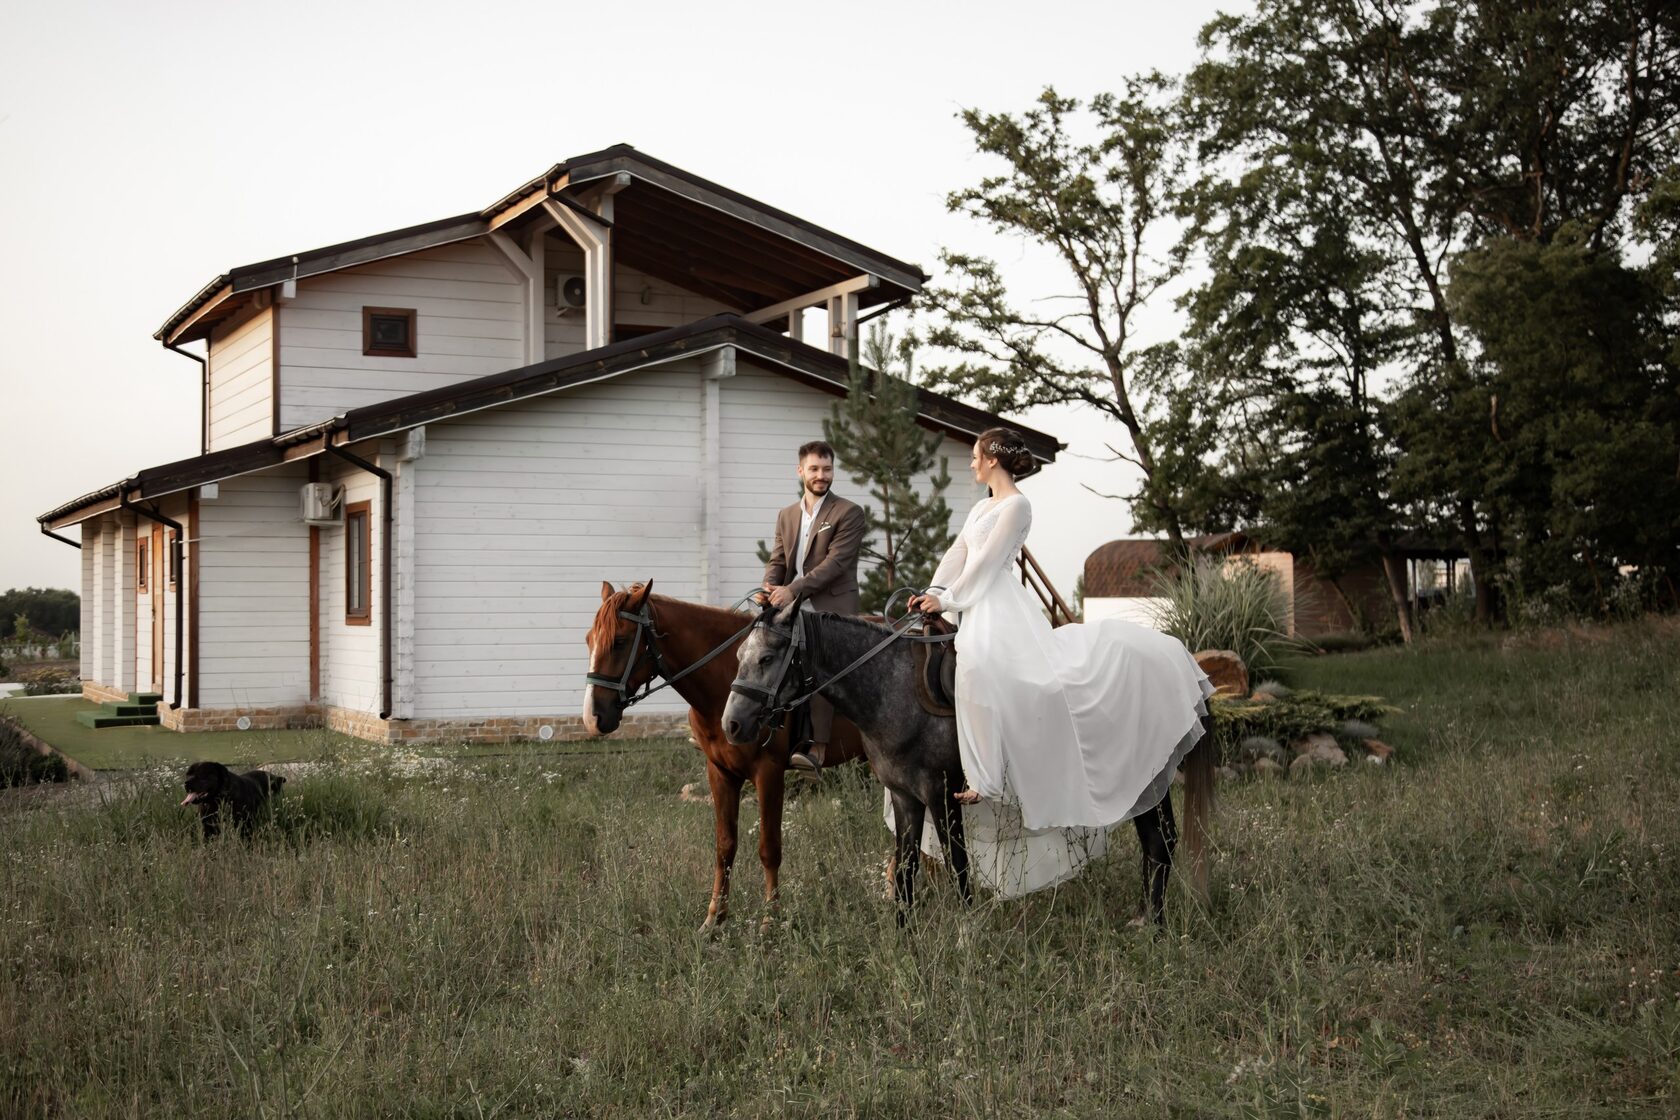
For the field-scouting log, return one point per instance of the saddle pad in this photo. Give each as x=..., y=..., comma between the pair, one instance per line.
x=936, y=671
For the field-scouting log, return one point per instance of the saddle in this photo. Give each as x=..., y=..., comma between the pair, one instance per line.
x=936, y=669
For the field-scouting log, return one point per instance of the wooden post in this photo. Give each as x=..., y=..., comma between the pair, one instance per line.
x=717, y=366
x=842, y=322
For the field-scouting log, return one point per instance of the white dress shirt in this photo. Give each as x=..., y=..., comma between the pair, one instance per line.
x=806, y=518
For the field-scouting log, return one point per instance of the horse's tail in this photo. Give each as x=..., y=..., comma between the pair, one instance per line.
x=1199, y=768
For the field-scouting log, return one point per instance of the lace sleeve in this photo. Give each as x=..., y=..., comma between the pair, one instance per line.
x=993, y=555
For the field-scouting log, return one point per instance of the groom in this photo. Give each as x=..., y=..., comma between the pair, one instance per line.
x=815, y=559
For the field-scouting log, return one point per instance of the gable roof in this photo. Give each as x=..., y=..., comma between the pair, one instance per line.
x=798, y=360
x=671, y=224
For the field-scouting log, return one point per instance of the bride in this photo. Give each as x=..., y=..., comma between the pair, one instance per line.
x=1064, y=732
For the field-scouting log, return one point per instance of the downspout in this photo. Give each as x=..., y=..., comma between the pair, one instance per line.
x=203, y=396
x=48, y=532
x=385, y=564
x=180, y=581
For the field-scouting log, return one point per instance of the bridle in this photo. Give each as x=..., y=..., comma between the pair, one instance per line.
x=648, y=632
x=800, y=637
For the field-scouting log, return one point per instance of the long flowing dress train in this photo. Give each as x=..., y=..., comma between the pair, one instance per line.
x=1065, y=732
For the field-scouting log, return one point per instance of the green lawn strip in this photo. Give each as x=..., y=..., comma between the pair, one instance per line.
x=53, y=720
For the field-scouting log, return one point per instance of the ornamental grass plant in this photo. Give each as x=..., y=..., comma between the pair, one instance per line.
x=1231, y=604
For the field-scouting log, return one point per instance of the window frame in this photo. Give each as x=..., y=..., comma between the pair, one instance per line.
x=371, y=351
x=363, y=587
x=142, y=564
x=169, y=556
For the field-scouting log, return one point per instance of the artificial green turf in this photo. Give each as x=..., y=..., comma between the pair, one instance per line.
x=52, y=719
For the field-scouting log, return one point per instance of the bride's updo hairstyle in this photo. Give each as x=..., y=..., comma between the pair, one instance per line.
x=1009, y=448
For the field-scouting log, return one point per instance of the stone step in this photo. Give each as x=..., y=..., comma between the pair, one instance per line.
x=98, y=719
x=144, y=697
x=115, y=709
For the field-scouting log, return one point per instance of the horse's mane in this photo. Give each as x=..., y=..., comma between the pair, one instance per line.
x=853, y=622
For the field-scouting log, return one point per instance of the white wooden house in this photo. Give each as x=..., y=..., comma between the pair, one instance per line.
x=599, y=376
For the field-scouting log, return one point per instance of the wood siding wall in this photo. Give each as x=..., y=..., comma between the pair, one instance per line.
x=639, y=300
x=468, y=323
x=350, y=676
x=521, y=512
x=242, y=381
x=253, y=611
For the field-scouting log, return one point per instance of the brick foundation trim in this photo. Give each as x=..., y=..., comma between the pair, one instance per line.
x=227, y=719
x=492, y=729
x=103, y=693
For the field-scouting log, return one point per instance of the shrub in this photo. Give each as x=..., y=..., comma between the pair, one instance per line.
x=1210, y=604
x=50, y=682
x=21, y=764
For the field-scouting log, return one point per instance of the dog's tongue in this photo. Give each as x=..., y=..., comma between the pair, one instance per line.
x=190, y=798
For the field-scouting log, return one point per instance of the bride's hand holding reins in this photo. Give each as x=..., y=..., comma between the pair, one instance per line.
x=925, y=604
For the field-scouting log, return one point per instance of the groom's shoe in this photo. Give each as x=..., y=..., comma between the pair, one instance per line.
x=809, y=760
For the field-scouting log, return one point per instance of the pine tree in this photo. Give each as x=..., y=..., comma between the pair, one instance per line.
x=877, y=440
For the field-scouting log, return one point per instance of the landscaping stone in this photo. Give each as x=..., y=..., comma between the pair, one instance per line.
x=1226, y=670
x=695, y=794
x=1313, y=742
x=1330, y=754
x=1267, y=767
x=1303, y=765
x=1378, y=751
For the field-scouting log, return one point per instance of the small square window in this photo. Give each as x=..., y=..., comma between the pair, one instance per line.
x=142, y=565
x=388, y=332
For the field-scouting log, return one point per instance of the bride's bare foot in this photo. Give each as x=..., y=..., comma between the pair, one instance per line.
x=967, y=797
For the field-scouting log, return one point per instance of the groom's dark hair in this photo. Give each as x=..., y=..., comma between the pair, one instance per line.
x=818, y=447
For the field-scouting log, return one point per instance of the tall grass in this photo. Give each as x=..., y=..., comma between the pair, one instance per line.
x=1487, y=928
x=1210, y=603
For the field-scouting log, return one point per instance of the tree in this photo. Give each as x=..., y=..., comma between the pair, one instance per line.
x=1429, y=129
x=47, y=612
x=1101, y=208
x=875, y=434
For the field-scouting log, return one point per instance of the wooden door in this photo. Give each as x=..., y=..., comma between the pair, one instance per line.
x=160, y=588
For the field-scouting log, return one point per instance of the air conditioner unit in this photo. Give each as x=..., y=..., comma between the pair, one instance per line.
x=322, y=503
x=570, y=291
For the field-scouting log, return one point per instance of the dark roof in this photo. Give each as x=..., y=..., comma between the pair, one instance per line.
x=673, y=225
x=1125, y=569
x=798, y=360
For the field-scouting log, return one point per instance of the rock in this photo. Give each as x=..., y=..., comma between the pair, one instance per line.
x=1262, y=698
x=695, y=794
x=1313, y=742
x=1227, y=774
x=1302, y=766
x=1226, y=670
x=1267, y=767
x=1331, y=754
x=1378, y=751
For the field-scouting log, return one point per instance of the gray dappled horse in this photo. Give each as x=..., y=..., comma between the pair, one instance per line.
x=914, y=752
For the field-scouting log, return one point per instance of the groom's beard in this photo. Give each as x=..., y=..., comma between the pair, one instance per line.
x=816, y=489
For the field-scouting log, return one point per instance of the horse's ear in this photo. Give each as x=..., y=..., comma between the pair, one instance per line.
x=639, y=594
x=787, y=614
x=607, y=591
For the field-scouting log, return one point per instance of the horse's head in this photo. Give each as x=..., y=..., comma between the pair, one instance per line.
x=763, y=674
x=620, y=657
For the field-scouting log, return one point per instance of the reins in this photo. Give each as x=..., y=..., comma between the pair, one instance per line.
x=901, y=629
x=645, y=626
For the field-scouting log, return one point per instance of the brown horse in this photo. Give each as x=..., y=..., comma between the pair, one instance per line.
x=638, y=636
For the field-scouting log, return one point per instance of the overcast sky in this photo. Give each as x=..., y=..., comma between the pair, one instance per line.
x=145, y=148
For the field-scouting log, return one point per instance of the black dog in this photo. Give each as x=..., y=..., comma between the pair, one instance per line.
x=211, y=786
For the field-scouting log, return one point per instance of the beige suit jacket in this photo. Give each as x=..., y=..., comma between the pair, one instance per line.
x=831, y=559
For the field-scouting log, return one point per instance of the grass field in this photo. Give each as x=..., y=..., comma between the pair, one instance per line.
x=1486, y=928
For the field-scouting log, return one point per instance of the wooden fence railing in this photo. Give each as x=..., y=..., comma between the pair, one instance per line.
x=1032, y=575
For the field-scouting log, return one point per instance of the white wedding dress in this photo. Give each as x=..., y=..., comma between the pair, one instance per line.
x=1065, y=732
